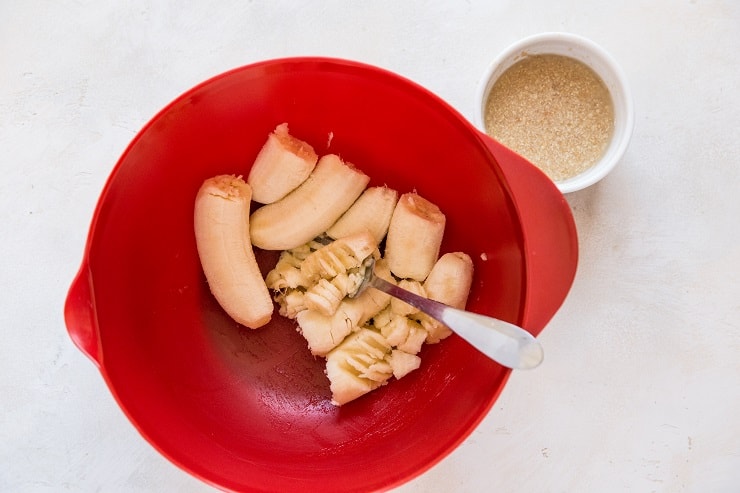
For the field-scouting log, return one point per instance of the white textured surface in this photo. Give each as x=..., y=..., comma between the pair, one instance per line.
x=640, y=390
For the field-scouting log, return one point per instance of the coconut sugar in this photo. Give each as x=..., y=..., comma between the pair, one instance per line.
x=553, y=110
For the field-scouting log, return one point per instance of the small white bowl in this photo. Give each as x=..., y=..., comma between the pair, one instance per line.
x=600, y=62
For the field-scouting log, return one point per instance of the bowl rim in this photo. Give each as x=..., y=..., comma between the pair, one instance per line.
x=599, y=60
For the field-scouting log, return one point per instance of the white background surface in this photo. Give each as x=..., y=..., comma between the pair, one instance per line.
x=640, y=390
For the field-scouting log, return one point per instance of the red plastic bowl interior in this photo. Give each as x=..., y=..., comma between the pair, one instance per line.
x=249, y=409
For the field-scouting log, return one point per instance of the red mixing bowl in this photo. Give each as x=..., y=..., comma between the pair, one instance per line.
x=249, y=410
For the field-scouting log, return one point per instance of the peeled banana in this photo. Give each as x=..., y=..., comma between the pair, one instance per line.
x=449, y=282
x=371, y=212
x=282, y=164
x=310, y=209
x=414, y=237
x=450, y=279
x=221, y=221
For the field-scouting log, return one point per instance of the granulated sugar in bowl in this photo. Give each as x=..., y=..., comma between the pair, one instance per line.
x=563, y=103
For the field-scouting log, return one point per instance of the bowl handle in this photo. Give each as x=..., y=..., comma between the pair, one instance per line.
x=80, y=317
x=550, y=238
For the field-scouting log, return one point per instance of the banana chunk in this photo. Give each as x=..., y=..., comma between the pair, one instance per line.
x=358, y=365
x=339, y=256
x=403, y=363
x=221, y=223
x=287, y=272
x=325, y=332
x=414, y=237
x=371, y=212
x=283, y=163
x=310, y=209
x=449, y=282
